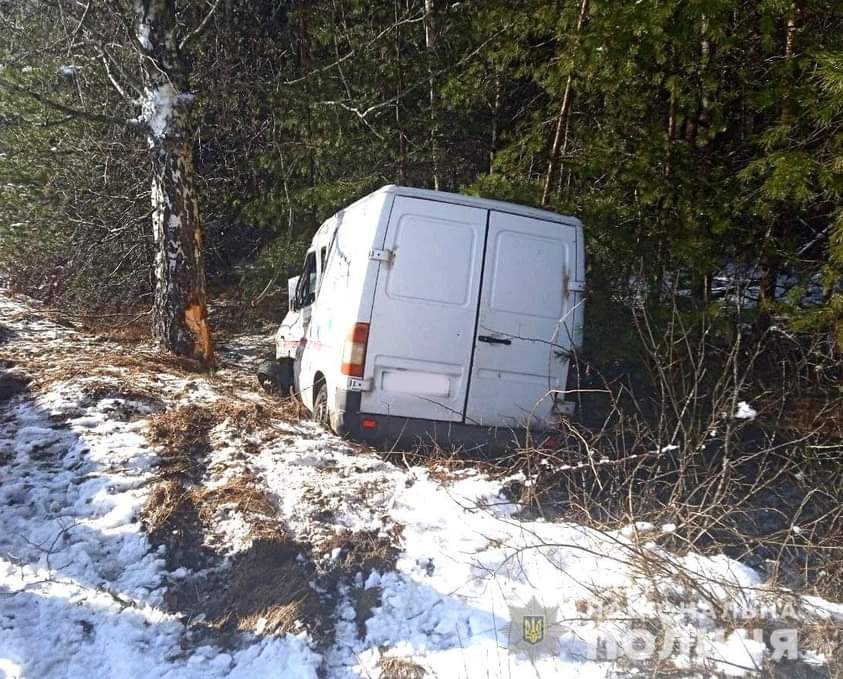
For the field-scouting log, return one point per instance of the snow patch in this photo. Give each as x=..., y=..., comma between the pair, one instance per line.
x=157, y=109
x=745, y=411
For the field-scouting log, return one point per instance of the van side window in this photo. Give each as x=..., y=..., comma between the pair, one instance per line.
x=323, y=256
x=306, y=291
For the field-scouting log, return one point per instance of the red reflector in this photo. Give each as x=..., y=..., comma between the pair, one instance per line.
x=550, y=443
x=368, y=423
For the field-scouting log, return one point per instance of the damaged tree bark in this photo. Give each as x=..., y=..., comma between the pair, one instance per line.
x=180, y=314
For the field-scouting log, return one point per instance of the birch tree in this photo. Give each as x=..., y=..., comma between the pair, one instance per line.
x=180, y=314
x=158, y=101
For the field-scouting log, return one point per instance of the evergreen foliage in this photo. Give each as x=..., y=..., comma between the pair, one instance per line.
x=699, y=135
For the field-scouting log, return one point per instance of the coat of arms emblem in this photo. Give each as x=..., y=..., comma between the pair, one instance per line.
x=532, y=629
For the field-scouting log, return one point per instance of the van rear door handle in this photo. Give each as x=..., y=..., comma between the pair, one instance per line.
x=493, y=340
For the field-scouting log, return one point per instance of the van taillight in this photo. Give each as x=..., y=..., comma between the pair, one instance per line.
x=354, y=352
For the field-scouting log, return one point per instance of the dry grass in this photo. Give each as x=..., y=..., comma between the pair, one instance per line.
x=447, y=465
x=12, y=384
x=819, y=413
x=253, y=417
x=135, y=330
x=250, y=417
x=171, y=518
x=242, y=493
x=181, y=428
x=266, y=590
x=164, y=501
x=392, y=667
x=182, y=438
x=278, y=619
x=102, y=389
x=263, y=589
x=291, y=409
x=366, y=550
x=825, y=637
x=131, y=369
x=243, y=416
x=169, y=498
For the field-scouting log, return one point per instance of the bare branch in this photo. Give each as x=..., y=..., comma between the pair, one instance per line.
x=128, y=27
x=352, y=52
x=81, y=22
x=363, y=113
x=106, y=62
x=68, y=110
x=196, y=32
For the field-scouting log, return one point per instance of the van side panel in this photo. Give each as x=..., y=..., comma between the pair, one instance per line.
x=424, y=311
x=345, y=292
x=525, y=321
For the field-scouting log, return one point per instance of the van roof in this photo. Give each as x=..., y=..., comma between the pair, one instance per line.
x=474, y=201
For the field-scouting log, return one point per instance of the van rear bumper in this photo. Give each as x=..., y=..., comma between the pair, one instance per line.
x=404, y=432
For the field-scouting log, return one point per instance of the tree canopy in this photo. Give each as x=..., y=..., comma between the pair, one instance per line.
x=691, y=137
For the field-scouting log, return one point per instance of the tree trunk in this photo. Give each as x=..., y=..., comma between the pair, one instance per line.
x=556, y=148
x=399, y=92
x=179, y=314
x=771, y=262
x=430, y=45
x=496, y=109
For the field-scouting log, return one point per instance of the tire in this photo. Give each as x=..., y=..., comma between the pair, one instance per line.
x=320, y=407
x=276, y=377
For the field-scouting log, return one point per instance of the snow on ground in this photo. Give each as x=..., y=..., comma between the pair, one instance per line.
x=80, y=588
x=467, y=562
x=84, y=589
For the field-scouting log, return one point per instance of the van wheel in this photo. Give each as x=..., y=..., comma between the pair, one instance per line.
x=320, y=407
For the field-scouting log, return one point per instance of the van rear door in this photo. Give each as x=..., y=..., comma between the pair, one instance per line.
x=424, y=310
x=525, y=321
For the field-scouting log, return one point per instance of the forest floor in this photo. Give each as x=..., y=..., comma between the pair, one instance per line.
x=156, y=522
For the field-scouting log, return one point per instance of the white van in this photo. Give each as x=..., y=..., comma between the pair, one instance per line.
x=429, y=315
